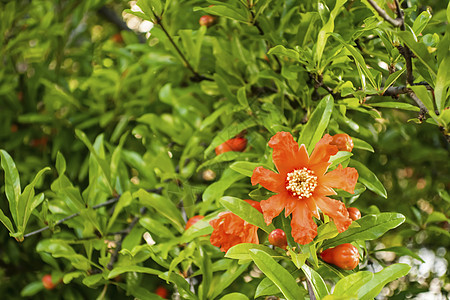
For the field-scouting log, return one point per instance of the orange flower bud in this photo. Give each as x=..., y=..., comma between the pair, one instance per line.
x=354, y=213
x=237, y=144
x=344, y=256
x=278, y=238
x=343, y=141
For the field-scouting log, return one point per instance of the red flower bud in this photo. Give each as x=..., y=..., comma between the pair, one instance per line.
x=344, y=256
x=162, y=292
x=354, y=213
x=192, y=221
x=207, y=20
x=47, y=282
x=278, y=238
x=236, y=144
x=343, y=141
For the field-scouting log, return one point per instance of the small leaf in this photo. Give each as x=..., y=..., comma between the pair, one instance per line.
x=277, y=274
x=391, y=79
x=12, y=184
x=227, y=278
x=313, y=130
x=319, y=287
x=360, y=144
x=32, y=289
x=349, y=285
x=442, y=84
x=234, y=296
x=246, y=212
x=245, y=168
x=242, y=251
x=368, y=178
x=282, y=51
x=138, y=269
x=226, y=11
x=396, y=105
x=421, y=22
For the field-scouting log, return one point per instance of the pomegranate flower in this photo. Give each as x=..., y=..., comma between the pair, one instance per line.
x=302, y=185
x=230, y=230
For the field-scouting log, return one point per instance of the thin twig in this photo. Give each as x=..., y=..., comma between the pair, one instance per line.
x=398, y=22
x=423, y=109
x=312, y=296
x=106, y=203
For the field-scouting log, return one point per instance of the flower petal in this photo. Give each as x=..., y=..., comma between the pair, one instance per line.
x=336, y=210
x=287, y=155
x=270, y=180
x=311, y=203
x=304, y=230
x=272, y=207
x=341, y=178
x=322, y=152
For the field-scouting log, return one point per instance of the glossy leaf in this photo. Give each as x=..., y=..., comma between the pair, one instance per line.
x=224, y=280
x=318, y=285
x=242, y=251
x=12, y=184
x=370, y=227
x=392, y=79
x=246, y=212
x=277, y=274
x=349, y=285
x=368, y=178
x=396, y=105
x=123, y=269
x=234, y=296
x=441, y=91
x=313, y=131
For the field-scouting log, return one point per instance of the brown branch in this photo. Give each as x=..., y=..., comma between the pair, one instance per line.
x=398, y=22
x=423, y=109
x=312, y=296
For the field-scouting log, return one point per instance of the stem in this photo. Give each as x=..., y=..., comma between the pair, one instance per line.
x=197, y=77
x=312, y=296
x=398, y=22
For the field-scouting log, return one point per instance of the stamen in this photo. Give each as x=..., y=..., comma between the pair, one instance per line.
x=301, y=183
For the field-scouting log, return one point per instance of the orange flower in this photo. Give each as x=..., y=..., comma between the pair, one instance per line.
x=230, y=230
x=301, y=185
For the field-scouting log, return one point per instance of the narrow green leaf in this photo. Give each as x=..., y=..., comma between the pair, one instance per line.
x=368, y=178
x=319, y=287
x=442, y=84
x=123, y=269
x=277, y=274
x=372, y=288
x=282, y=51
x=242, y=251
x=360, y=144
x=246, y=212
x=223, y=281
x=32, y=289
x=234, y=296
x=226, y=11
x=396, y=105
x=313, y=130
x=60, y=163
x=425, y=96
x=124, y=201
x=181, y=283
x=359, y=59
x=391, y=79
x=349, y=285
x=203, y=261
x=26, y=203
x=325, y=30
x=245, y=168
x=6, y=221
x=266, y=287
x=217, y=189
x=419, y=49
x=163, y=206
x=242, y=97
x=421, y=22
x=370, y=227
x=12, y=184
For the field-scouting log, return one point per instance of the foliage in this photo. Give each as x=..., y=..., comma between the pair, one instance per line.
x=108, y=139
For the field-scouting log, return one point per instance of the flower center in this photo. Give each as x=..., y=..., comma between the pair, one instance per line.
x=301, y=183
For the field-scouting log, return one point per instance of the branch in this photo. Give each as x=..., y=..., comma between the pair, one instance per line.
x=398, y=22
x=423, y=109
x=398, y=90
x=312, y=296
x=106, y=203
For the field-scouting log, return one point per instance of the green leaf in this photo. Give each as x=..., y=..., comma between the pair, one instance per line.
x=92, y=280
x=234, y=296
x=124, y=201
x=421, y=22
x=242, y=251
x=60, y=163
x=104, y=167
x=223, y=281
x=318, y=285
x=359, y=59
x=277, y=274
x=246, y=212
x=204, y=263
x=313, y=130
x=123, y=269
x=282, y=51
x=370, y=227
x=442, y=84
x=181, y=283
x=372, y=288
x=26, y=203
x=244, y=168
x=12, y=184
x=339, y=158
x=266, y=287
x=226, y=11
x=401, y=251
x=396, y=105
x=325, y=30
x=391, y=79
x=6, y=221
x=217, y=189
x=368, y=178
x=419, y=49
x=32, y=289
x=425, y=96
x=349, y=285
x=242, y=97
x=163, y=206
x=360, y=144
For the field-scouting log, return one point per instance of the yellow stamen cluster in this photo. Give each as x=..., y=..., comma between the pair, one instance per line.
x=301, y=183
